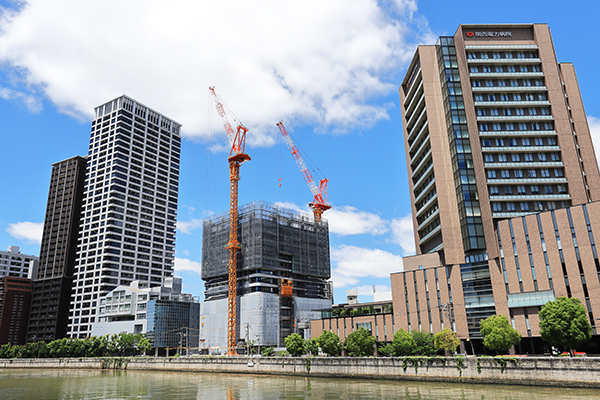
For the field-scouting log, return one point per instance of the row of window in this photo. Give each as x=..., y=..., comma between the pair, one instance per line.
x=536, y=141
x=505, y=68
x=523, y=190
x=528, y=206
x=517, y=157
x=512, y=97
x=501, y=54
x=507, y=82
x=482, y=112
x=530, y=173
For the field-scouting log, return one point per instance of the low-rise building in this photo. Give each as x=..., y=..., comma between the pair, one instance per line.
x=17, y=265
x=15, y=300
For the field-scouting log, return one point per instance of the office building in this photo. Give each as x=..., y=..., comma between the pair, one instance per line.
x=283, y=267
x=127, y=227
x=494, y=128
x=17, y=265
x=502, y=171
x=52, y=284
x=15, y=300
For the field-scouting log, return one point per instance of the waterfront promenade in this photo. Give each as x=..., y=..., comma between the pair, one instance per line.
x=533, y=371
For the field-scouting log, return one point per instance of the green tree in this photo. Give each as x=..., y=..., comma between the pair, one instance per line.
x=268, y=351
x=498, y=334
x=294, y=344
x=360, y=343
x=564, y=322
x=424, y=344
x=330, y=343
x=312, y=347
x=403, y=343
x=446, y=340
x=143, y=344
x=387, y=350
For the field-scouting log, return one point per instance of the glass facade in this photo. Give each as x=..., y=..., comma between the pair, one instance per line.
x=168, y=321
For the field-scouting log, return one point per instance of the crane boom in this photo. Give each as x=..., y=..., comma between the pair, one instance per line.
x=319, y=203
x=237, y=157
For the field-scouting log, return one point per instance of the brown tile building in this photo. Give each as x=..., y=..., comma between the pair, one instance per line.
x=15, y=298
x=54, y=279
x=504, y=186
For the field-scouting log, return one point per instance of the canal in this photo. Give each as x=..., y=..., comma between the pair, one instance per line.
x=111, y=384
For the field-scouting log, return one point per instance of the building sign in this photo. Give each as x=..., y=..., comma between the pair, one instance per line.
x=472, y=34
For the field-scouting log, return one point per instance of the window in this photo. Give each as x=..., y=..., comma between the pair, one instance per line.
x=532, y=111
x=479, y=97
x=521, y=190
x=529, y=97
x=515, y=157
x=519, y=111
x=535, y=189
x=522, y=126
x=520, y=54
x=545, y=111
x=526, y=82
x=493, y=111
x=501, y=157
x=474, y=70
x=489, y=83
x=548, y=126
x=513, y=142
x=494, y=190
x=504, y=97
x=499, y=142
x=561, y=188
x=483, y=55
x=505, y=173
x=537, y=205
x=496, y=55
x=551, y=141
x=489, y=158
x=480, y=112
x=506, y=111
x=535, y=68
x=532, y=173
x=508, y=55
x=486, y=143
x=510, y=127
x=551, y=205
x=535, y=126
x=558, y=173
x=518, y=173
x=517, y=97
x=524, y=206
x=476, y=83
x=555, y=156
x=510, y=207
x=545, y=173
x=548, y=189
x=491, y=174
x=491, y=97
x=525, y=142
x=510, y=68
x=528, y=157
x=523, y=68
x=508, y=190
x=486, y=68
x=539, y=141
x=471, y=55
x=502, y=83
x=542, y=97
x=499, y=68
x=497, y=207
x=539, y=82
x=541, y=157
x=497, y=127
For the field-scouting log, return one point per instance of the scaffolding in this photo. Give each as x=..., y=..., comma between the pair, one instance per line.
x=275, y=243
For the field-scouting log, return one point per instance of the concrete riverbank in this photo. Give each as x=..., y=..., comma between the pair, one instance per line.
x=546, y=371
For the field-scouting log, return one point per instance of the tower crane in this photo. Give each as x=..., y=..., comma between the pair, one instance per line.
x=237, y=156
x=319, y=203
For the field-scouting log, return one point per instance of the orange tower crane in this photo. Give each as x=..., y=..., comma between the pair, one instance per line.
x=237, y=156
x=319, y=203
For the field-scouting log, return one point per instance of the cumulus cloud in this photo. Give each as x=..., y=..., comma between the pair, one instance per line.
x=185, y=264
x=306, y=61
x=403, y=234
x=353, y=263
x=30, y=231
x=594, y=124
x=348, y=220
x=189, y=226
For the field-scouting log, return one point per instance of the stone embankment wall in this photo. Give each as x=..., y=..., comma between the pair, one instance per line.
x=547, y=371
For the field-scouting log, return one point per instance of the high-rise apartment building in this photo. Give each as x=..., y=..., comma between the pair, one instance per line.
x=15, y=299
x=494, y=128
x=53, y=281
x=127, y=227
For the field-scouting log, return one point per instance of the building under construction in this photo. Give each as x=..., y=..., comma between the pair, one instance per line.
x=282, y=271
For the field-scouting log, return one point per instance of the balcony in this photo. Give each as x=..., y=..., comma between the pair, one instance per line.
x=522, y=103
x=506, y=74
x=515, y=118
x=517, y=133
x=531, y=197
x=509, y=88
x=525, y=164
x=519, y=149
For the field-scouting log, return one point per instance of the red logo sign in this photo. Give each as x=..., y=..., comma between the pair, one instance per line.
x=470, y=34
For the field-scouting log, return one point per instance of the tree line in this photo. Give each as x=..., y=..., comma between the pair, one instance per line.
x=122, y=344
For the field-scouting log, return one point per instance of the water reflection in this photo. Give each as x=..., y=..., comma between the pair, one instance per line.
x=92, y=384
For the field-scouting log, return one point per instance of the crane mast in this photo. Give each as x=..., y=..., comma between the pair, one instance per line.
x=237, y=157
x=319, y=203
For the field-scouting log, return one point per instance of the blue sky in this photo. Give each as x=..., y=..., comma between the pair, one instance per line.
x=329, y=70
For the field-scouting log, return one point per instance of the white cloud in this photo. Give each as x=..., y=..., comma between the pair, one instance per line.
x=353, y=263
x=303, y=61
x=348, y=220
x=31, y=102
x=403, y=234
x=30, y=231
x=184, y=264
x=189, y=226
x=594, y=124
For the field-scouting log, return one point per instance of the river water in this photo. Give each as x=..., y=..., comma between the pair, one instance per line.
x=112, y=385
